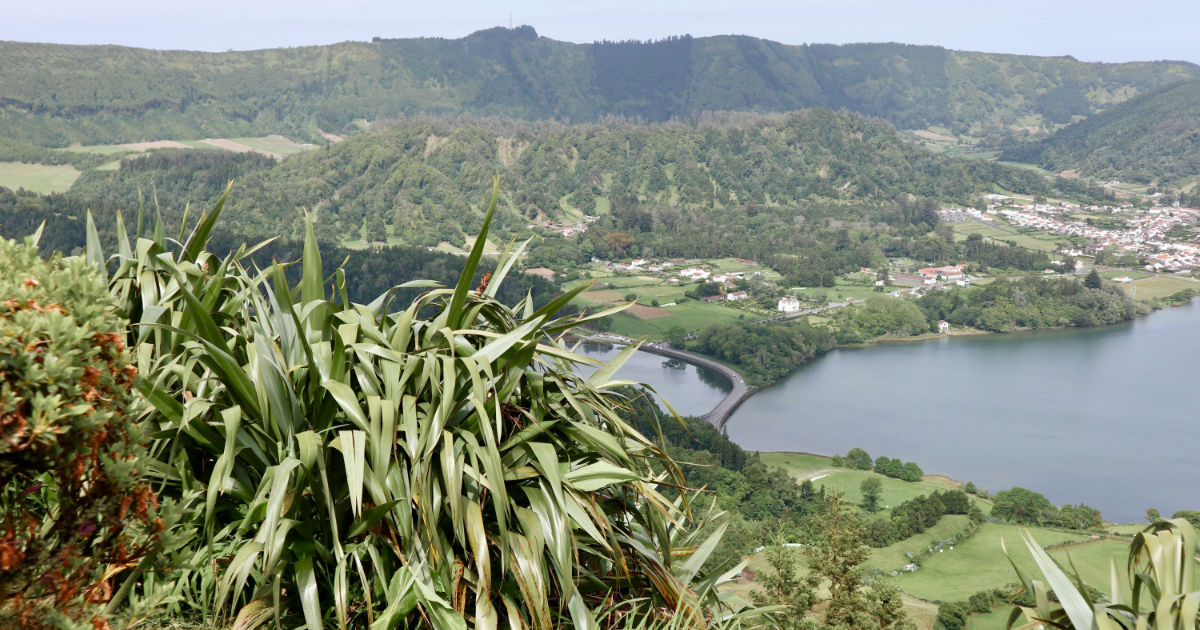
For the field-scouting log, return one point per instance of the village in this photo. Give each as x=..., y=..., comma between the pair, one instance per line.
x=1163, y=236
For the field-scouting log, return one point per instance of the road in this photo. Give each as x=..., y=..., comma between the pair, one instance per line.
x=738, y=391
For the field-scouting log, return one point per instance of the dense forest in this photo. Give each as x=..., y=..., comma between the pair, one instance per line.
x=763, y=178
x=1152, y=138
x=55, y=95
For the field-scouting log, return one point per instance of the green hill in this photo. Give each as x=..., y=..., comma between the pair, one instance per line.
x=54, y=95
x=411, y=183
x=1152, y=138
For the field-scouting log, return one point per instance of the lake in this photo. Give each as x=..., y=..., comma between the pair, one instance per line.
x=691, y=390
x=1106, y=416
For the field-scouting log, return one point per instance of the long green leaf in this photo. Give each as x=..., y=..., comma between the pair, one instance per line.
x=454, y=313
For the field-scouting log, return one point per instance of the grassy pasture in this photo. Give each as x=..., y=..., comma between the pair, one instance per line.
x=275, y=144
x=1032, y=240
x=979, y=562
x=892, y=556
x=39, y=178
x=1156, y=287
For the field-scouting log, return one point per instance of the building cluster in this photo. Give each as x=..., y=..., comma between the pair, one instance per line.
x=1151, y=234
x=566, y=229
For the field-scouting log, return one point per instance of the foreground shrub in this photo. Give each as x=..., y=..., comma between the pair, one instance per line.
x=74, y=511
x=1157, y=590
x=357, y=466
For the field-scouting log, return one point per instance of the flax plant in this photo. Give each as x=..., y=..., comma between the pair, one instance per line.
x=1158, y=590
x=365, y=465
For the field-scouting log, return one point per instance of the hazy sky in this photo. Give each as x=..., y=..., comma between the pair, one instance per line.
x=1091, y=30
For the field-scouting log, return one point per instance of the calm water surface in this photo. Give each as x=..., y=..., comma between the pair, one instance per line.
x=691, y=390
x=1102, y=416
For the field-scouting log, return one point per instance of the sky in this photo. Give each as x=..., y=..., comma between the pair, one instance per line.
x=1089, y=30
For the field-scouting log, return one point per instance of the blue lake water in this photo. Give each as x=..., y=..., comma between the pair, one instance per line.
x=1107, y=417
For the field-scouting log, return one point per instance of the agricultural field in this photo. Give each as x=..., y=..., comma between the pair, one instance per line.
x=1155, y=287
x=979, y=563
x=1032, y=240
x=893, y=556
x=1116, y=273
x=275, y=146
x=844, y=287
x=39, y=178
x=689, y=315
x=655, y=315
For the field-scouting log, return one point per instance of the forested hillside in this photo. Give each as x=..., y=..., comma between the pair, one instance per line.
x=1154, y=137
x=53, y=95
x=760, y=178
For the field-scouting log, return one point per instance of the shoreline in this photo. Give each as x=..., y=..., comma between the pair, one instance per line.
x=740, y=391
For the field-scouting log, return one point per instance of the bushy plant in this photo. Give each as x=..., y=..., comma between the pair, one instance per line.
x=1158, y=589
x=357, y=465
x=74, y=509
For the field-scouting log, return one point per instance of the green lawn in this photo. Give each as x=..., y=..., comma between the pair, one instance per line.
x=1156, y=287
x=841, y=290
x=1032, y=240
x=282, y=147
x=995, y=620
x=1127, y=529
x=690, y=315
x=895, y=491
x=979, y=563
x=893, y=556
x=1136, y=275
x=796, y=464
x=39, y=178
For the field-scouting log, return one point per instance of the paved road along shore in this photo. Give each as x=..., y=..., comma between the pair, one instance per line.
x=738, y=391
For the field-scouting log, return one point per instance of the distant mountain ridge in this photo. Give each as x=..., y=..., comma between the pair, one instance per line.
x=1154, y=137
x=53, y=95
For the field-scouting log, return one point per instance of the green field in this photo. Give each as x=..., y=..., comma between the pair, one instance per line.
x=1155, y=287
x=1032, y=240
x=274, y=145
x=979, y=563
x=995, y=620
x=797, y=464
x=1116, y=273
x=39, y=178
x=842, y=289
x=690, y=315
x=893, y=556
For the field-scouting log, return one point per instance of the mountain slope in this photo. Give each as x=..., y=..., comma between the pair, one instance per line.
x=52, y=95
x=1153, y=137
x=415, y=183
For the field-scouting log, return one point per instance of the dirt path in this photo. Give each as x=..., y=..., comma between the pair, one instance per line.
x=817, y=473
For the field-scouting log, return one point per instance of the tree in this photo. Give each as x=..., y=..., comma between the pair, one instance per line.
x=858, y=458
x=784, y=586
x=75, y=512
x=836, y=558
x=952, y=616
x=1092, y=281
x=886, y=606
x=871, y=488
x=1021, y=505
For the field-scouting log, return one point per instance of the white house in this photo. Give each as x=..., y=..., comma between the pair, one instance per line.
x=943, y=326
x=735, y=296
x=788, y=305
